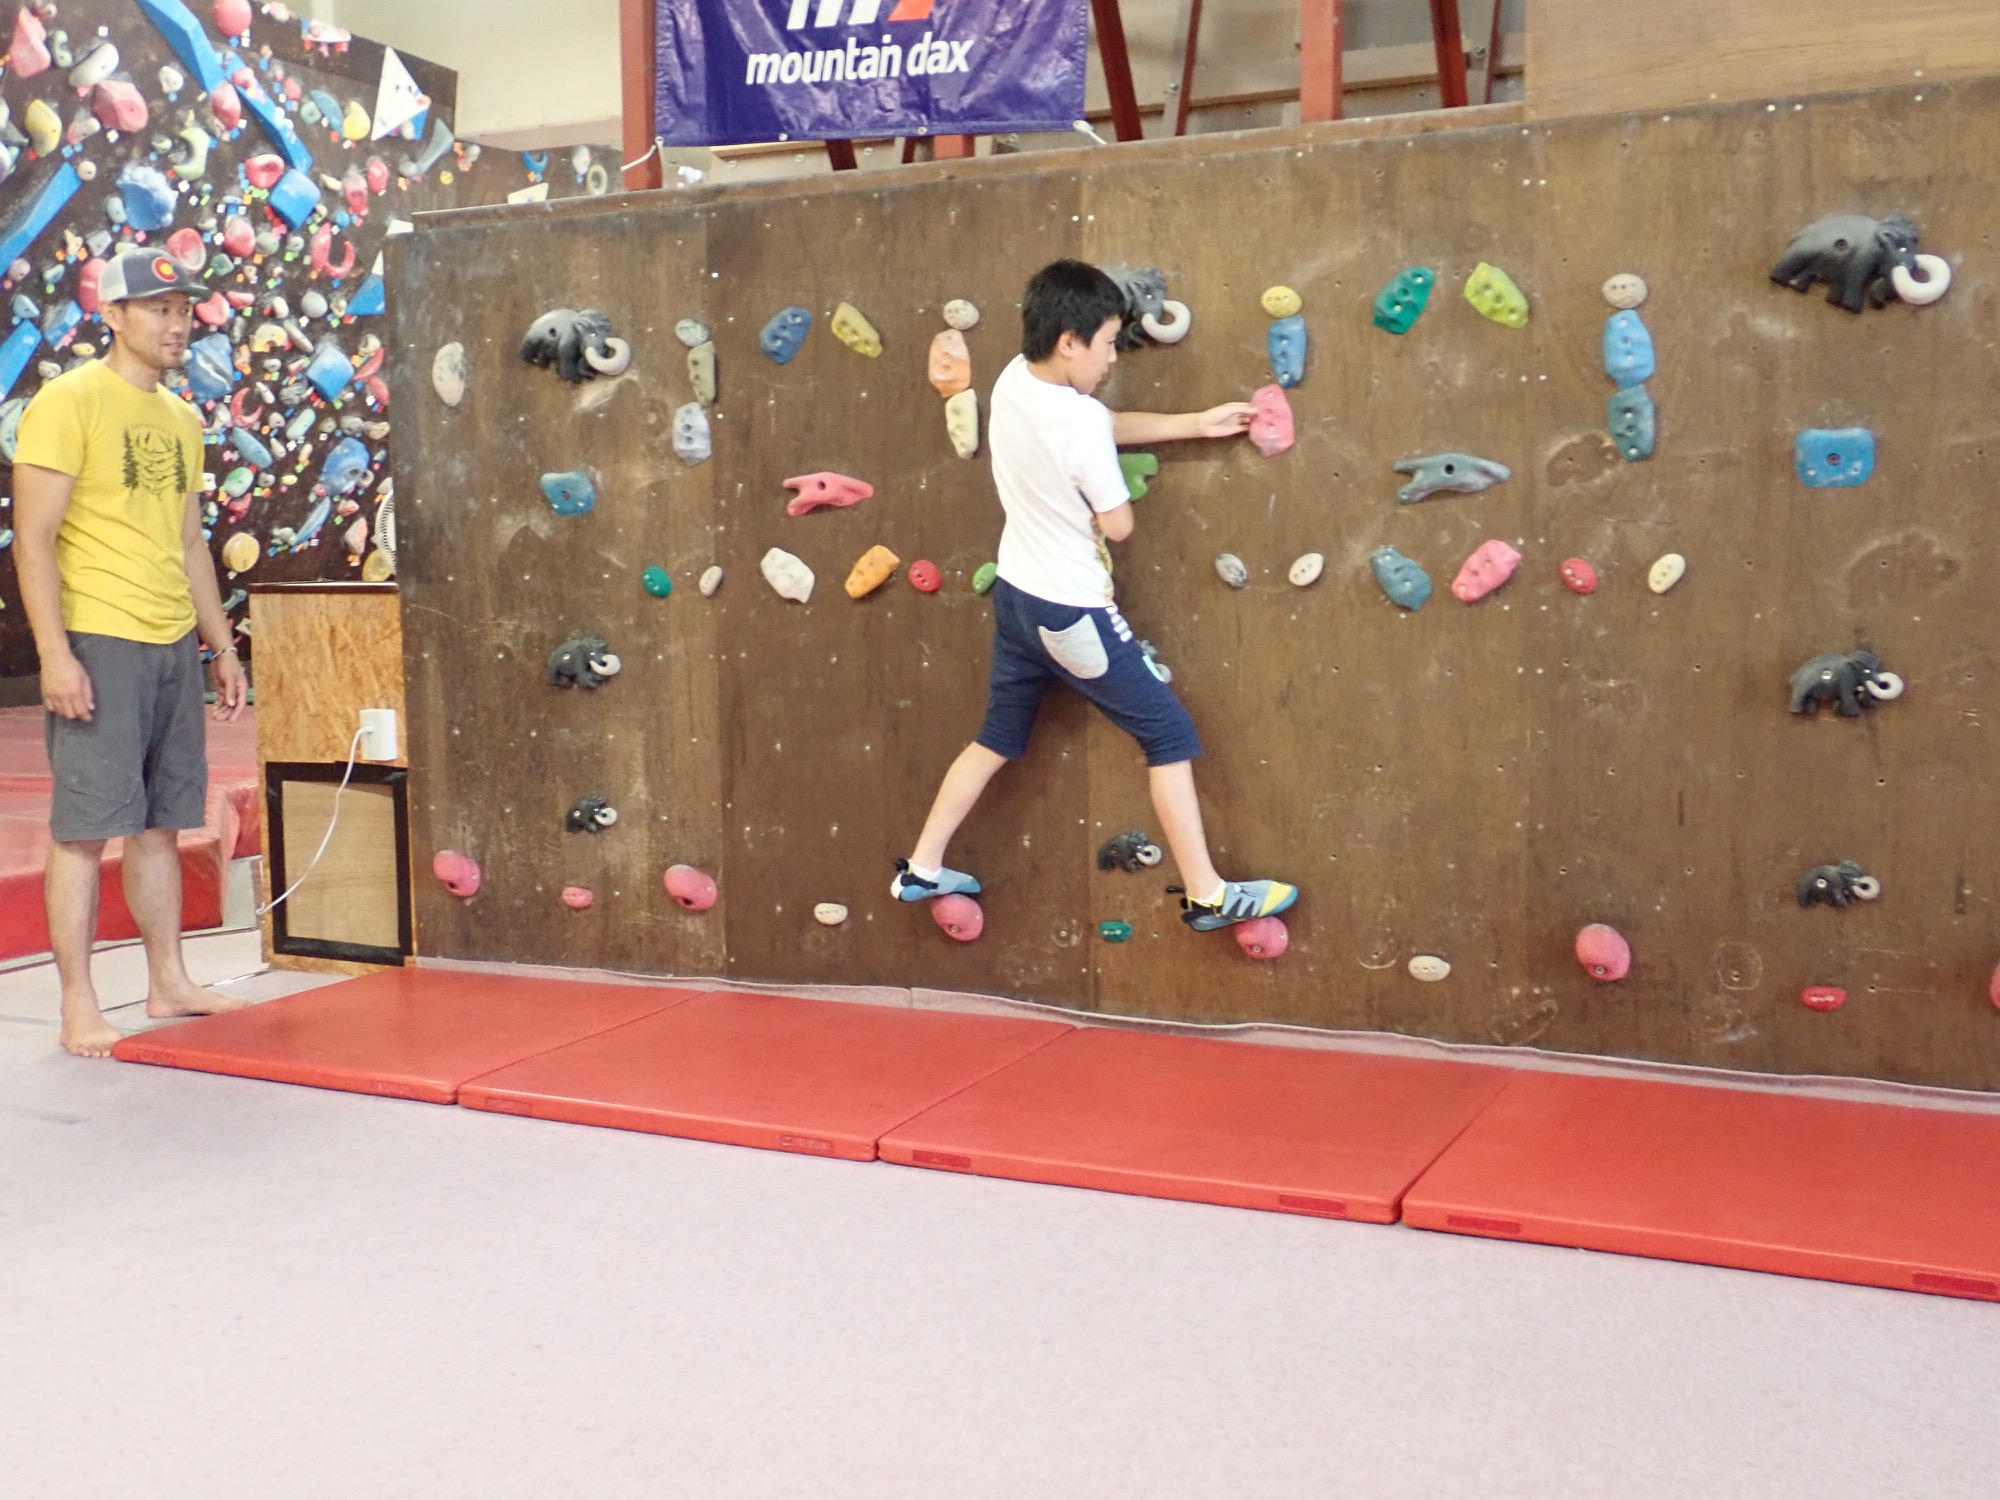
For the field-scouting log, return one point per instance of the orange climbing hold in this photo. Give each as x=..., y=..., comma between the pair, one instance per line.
x=877, y=564
x=951, y=363
x=959, y=916
x=824, y=488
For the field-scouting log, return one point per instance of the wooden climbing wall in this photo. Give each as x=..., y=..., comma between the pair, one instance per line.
x=1475, y=782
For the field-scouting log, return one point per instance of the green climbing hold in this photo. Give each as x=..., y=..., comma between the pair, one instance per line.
x=983, y=579
x=1138, y=468
x=657, y=582
x=1399, y=304
x=1493, y=292
x=1114, y=932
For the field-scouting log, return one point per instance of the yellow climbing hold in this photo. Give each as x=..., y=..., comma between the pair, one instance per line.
x=855, y=331
x=1493, y=292
x=355, y=124
x=240, y=552
x=378, y=568
x=1282, y=302
x=44, y=127
x=876, y=567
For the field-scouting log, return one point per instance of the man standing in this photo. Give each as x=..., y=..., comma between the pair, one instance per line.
x=116, y=577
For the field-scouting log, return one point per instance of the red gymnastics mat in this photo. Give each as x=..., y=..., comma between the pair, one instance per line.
x=820, y=1076
x=1877, y=1194
x=1336, y=1134
x=406, y=1033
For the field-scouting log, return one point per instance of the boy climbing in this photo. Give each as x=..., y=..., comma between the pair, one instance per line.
x=1055, y=464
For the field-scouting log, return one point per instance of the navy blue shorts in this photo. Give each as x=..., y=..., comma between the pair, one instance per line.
x=1036, y=643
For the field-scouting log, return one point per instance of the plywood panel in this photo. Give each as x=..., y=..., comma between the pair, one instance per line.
x=351, y=895
x=1585, y=56
x=324, y=653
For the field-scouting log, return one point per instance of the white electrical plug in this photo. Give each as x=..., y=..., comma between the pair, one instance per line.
x=378, y=734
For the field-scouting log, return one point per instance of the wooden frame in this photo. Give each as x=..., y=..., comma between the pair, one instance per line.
x=277, y=774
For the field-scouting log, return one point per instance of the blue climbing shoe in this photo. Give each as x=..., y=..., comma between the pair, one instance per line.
x=1242, y=901
x=908, y=886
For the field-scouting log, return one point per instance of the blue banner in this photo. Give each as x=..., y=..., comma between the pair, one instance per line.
x=736, y=71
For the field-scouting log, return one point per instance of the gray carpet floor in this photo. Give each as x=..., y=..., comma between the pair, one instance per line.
x=220, y=1288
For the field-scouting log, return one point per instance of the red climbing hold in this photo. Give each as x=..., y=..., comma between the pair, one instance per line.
x=1993, y=988
x=30, y=53
x=378, y=176
x=322, y=254
x=86, y=285
x=1263, y=937
x=232, y=17
x=1579, y=577
x=959, y=916
x=215, y=311
x=690, y=887
x=1823, y=996
x=1271, y=428
x=238, y=237
x=925, y=577
x=1492, y=563
x=458, y=872
x=263, y=171
x=815, y=490
x=1603, y=953
x=119, y=105
x=226, y=105
x=185, y=246
x=577, y=897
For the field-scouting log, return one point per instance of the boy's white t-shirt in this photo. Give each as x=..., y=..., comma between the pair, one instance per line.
x=1055, y=464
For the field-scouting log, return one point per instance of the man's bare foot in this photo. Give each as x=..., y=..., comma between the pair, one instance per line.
x=88, y=1034
x=186, y=998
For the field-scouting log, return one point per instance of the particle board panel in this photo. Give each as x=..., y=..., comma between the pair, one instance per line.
x=325, y=652
x=352, y=896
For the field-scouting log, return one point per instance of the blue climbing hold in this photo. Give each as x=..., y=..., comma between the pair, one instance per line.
x=345, y=468
x=1406, y=584
x=315, y=519
x=1399, y=304
x=294, y=197
x=15, y=354
x=26, y=309
x=368, y=300
x=1834, y=458
x=1628, y=349
x=1288, y=350
x=48, y=201
x=784, y=333
x=61, y=323
x=211, y=367
x=570, y=494
x=147, y=195
x=269, y=114
x=1633, y=422
x=329, y=107
x=537, y=163
x=330, y=370
x=249, y=447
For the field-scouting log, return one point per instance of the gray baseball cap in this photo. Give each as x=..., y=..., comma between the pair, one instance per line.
x=135, y=273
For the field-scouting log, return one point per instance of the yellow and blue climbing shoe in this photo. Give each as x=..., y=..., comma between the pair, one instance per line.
x=909, y=885
x=1241, y=901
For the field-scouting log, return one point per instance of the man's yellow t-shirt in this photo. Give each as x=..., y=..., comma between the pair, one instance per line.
x=136, y=455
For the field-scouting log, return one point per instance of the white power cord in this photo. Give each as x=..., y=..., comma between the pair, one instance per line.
x=333, y=818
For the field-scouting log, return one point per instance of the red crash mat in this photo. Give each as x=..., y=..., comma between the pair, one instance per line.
x=1882, y=1195
x=820, y=1076
x=407, y=1033
x=1337, y=1134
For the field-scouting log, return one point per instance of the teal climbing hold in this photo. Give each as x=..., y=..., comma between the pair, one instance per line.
x=1633, y=423
x=1399, y=304
x=570, y=494
x=1288, y=350
x=657, y=582
x=1115, y=932
x=1407, y=585
x=1137, y=468
x=1628, y=349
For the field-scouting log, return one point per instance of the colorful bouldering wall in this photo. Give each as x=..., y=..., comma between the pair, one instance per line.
x=1557, y=799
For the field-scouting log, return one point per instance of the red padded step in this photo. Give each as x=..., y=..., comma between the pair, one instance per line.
x=820, y=1076
x=1877, y=1194
x=1336, y=1134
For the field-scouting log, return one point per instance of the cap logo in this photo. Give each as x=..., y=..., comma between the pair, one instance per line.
x=164, y=268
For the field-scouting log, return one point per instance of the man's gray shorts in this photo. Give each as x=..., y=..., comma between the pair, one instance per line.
x=141, y=760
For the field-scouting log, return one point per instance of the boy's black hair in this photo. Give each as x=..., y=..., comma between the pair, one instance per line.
x=1066, y=296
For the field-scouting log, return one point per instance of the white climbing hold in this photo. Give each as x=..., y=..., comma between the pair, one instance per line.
x=1667, y=572
x=448, y=374
x=1924, y=290
x=961, y=422
x=691, y=331
x=711, y=580
x=1625, y=290
x=1429, y=968
x=829, y=914
x=693, y=441
x=1173, y=327
x=960, y=314
x=1229, y=568
x=616, y=359
x=788, y=575
x=99, y=64
x=1305, y=572
x=1884, y=687
x=701, y=372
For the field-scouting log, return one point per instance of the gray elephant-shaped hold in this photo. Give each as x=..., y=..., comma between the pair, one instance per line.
x=1150, y=315
x=1853, y=254
x=1837, y=885
x=583, y=661
x=1853, y=679
x=578, y=344
x=590, y=814
x=1130, y=852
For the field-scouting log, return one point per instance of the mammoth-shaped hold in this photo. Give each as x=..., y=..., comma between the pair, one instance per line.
x=1170, y=325
x=1633, y=423
x=583, y=661
x=570, y=493
x=1853, y=679
x=950, y=366
x=1288, y=350
x=1492, y=563
x=1407, y=585
x=1922, y=291
x=1578, y=576
x=824, y=489
x=456, y=872
x=693, y=441
x=875, y=568
x=1628, y=349
x=783, y=335
x=1271, y=429
x=1436, y=473
x=959, y=916
x=961, y=423
x=578, y=344
x=853, y=329
x=1604, y=953
x=1835, y=458
x=1130, y=852
x=1837, y=885
x=1853, y=254
x=590, y=814
x=1493, y=292
x=1144, y=292
x=1823, y=997
x=701, y=372
x=1399, y=304
x=1230, y=569
x=1281, y=302
x=692, y=889
x=960, y=314
x=1263, y=937
x=448, y=373
x=787, y=575
x=1137, y=469
x=692, y=332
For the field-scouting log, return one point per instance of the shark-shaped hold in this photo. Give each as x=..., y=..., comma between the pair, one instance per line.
x=1461, y=473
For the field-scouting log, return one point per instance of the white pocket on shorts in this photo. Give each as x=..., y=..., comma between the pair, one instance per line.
x=1078, y=650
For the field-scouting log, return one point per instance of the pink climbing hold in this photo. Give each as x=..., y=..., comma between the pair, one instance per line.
x=1271, y=428
x=264, y=170
x=925, y=577
x=1823, y=996
x=226, y=105
x=378, y=176
x=232, y=17
x=119, y=105
x=354, y=188
x=1993, y=987
x=1263, y=937
x=322, y=254
x=1490, y=565
x=690, y=887
x=578, y=897
x=86, y=285
x=959, y=916
x=458, y=873
x=1603, y=953
x=824, y=488
x=238, y=237
x=185, y=246
x=215, y=311
x=1579, y=577
x=30, y=52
